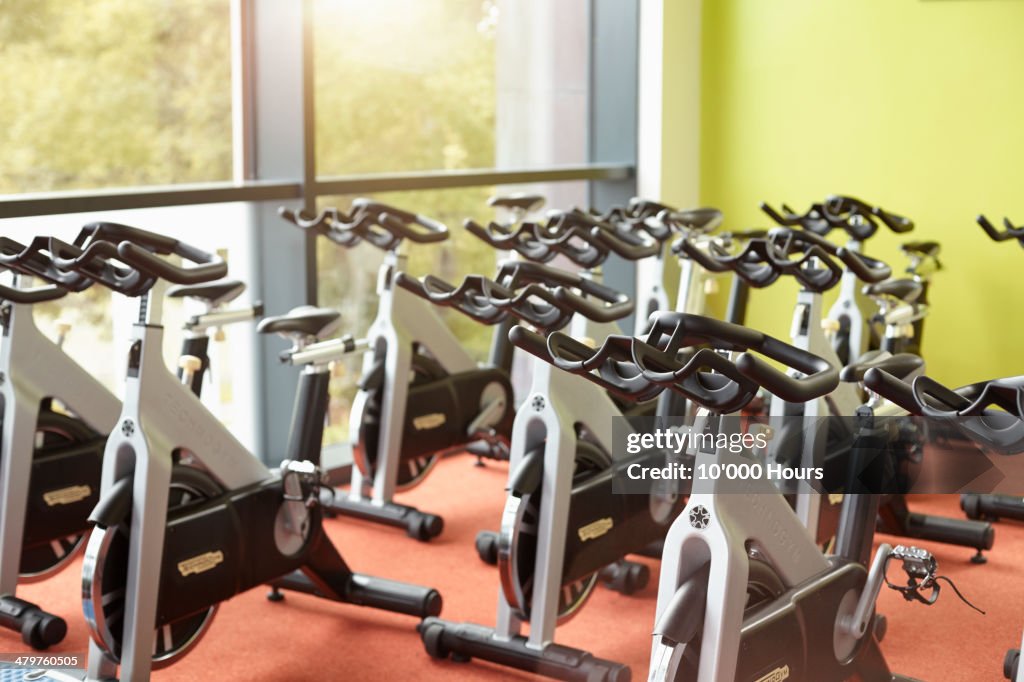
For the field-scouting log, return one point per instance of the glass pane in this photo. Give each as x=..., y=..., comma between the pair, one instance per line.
x=101, y=321
x=348, y=277
x=405, y=85
x=116, y=93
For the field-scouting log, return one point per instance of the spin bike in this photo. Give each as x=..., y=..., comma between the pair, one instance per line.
x=421, y=395
x=990, y=413
x=56, y=418
x=848, y=316
x=819, y=266
x=171, y=541
x=994, y=507
x=562, y=523
x=745, y=593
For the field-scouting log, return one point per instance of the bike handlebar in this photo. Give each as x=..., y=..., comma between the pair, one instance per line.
x=1010, y=231
x=380, y=224
x=538, y=294
x=100, y=243
x=970, y=407
x=676, y=353
x=857, y=218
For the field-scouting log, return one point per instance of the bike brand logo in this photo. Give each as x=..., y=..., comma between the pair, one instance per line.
x=700, y=518
x=777, y=675
x=426, y=422
x=595, y=529
x=69, y=495
x=200, y=564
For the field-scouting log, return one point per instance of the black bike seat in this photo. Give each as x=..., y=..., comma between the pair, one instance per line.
x=306, y=320
x=929, y=249
x=906, y=290
x=213, y=293
x=523, y=202
x=901, y=365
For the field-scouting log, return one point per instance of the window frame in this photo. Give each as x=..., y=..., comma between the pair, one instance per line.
x=273, y=132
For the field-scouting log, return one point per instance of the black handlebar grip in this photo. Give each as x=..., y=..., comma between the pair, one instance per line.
x=892, y=389
x=603, y=312
x=897, y=223
x=209, y=267
x=400, y=225
x=627, y=245
x=532, y=342
x=870, y=270
x=822, y=378
x=33, y=295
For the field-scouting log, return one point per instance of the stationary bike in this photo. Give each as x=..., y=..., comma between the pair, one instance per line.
x=421, y=395
x=56, y=418
x=851, y=336
x=745, y=593
x=171, y=542
x=989, y=413
x=563, y=522
x=993, y=507
x=818, y=266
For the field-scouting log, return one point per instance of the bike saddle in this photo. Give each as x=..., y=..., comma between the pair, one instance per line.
x=527, y=203
x=211, y=293
x=305, y=320
x=925, y=249
x=906, y=290
x=1010, y=231
x=901, y=365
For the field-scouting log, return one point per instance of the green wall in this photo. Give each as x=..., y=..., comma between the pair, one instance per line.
x=917, y=105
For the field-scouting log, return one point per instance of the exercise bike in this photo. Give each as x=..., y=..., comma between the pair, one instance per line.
x=56, y=420
x=989, y=413
x=562, y=523
x=421, y=395
x=849, y=316
x=994, y=507
x=819, y=266
x=745, y=593
x=172, y=541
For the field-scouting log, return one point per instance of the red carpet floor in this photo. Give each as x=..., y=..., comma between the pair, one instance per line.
x=305, y=638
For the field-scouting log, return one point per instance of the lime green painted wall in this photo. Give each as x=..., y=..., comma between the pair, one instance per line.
x=917, y=105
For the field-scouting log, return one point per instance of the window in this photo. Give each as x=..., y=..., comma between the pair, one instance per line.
x=348, y=277
x=114, y=93
x=101, y=320
x=410, y=85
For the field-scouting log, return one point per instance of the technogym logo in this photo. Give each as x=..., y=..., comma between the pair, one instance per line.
x=200, y=564
x=69, y=495
x=777, y=675
x=426, y=422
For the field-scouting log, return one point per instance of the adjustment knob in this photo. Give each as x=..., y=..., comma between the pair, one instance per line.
x=190, y=364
